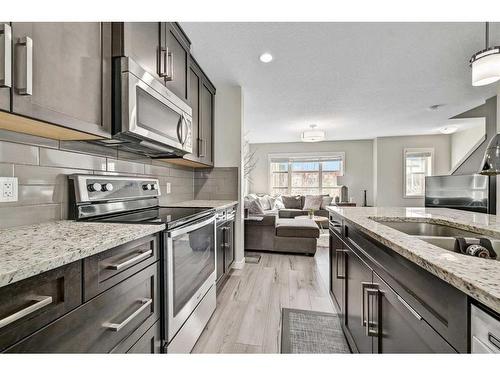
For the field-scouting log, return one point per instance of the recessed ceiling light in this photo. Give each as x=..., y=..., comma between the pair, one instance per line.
x=448, y=129
x=266, y=57
x=435, y=107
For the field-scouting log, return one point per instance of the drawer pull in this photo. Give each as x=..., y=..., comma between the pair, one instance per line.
x=411, y=309
x=41, y=301
x=494, y=341
x=118, y=326
x=137, y=258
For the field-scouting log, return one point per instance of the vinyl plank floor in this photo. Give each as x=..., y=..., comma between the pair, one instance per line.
x=248, y=314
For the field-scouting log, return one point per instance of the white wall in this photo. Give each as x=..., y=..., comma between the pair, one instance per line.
x=358, y=164
x=389, y=166
x=465, y=141
x=228, y=139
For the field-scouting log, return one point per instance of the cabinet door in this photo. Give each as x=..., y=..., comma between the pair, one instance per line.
x=5, y=69
x=229, y=249
x=58, y=73
x=337, y=271
x=149, y=343
x=219, y=252
x=397, y=327
x=178, y=57
x=141, y=42
x=206, y=136
x=194, y=101
x=358, y=278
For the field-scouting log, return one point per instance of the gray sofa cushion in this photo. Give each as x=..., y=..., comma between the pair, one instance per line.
x=312, y=202
x=297, y=228
x=290, y=213
x=327, y=201
x=292, y=201
x=254, y=207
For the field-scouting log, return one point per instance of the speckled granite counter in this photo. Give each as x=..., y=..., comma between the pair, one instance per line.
x=217, y=204
x=479, y=278
x=30, y=250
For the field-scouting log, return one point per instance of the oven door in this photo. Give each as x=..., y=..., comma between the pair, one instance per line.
x=151, y=112
x=190, y=270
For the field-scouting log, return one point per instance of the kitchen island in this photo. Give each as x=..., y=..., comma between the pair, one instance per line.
x=396, y=290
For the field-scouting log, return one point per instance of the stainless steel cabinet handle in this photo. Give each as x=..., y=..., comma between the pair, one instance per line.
x=169, y=76
x=162, y=61
x=493, y=340
x=339, y=253
x=371, y=324
x=128, y=262
x=118, y=326
x=5, y=51
x=411, y=309
x=25, y=74
x=364, y=286
x=200, y=147
x=40, y=302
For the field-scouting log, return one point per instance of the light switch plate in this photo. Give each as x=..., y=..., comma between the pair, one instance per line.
x=169, y=190
x=8, y=189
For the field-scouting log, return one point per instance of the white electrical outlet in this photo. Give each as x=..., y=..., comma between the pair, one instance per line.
x=169, y=189
x=8, y=189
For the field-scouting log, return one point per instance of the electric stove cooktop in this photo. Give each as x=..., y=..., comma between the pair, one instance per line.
x=172, y=217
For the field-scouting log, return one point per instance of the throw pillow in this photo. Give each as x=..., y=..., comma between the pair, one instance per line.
x=264, y=202
x=278, y=203
x=313, y=202
x=294, y=202
x=254, y=208
x=326, y=202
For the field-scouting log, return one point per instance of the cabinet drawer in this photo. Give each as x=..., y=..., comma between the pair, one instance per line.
x=440, y=304
x=149, y=343
x=102, y=324
x=106, y=269
x=30, y=304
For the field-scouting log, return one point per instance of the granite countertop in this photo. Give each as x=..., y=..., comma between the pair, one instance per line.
x=217, y=204
x=30, y=250
x=479, y=278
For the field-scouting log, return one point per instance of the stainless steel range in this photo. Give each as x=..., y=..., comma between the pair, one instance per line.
x=188, y=247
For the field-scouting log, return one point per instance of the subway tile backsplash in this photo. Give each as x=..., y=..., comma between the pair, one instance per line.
x=42, y=166
x=216, y=183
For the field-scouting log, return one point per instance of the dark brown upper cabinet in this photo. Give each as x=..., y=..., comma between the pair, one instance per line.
x=202, y=101
x=160, y=48
x=5, y=65
x=60, y=75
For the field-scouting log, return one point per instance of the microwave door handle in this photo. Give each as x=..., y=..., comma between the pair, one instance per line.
x=186, y=127
x=180, y=129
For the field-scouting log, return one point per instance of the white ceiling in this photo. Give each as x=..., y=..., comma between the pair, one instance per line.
x=354, y=80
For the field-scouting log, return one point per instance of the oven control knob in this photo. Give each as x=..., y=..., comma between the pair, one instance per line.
x=107, y=187
x=155, y=186
x=147, y=187
x=96, y=186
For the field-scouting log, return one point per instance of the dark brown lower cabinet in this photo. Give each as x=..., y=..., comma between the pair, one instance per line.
x=358, y=278
x=337, y=271
x=103, y=324
x=396, y=327
x=149, y=343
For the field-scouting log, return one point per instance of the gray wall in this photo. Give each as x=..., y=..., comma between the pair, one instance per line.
x=358, y=173
x=216, y=183
x=389, y=166
x=42, y=165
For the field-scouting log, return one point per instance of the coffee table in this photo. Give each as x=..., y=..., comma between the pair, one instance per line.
x=320, y=220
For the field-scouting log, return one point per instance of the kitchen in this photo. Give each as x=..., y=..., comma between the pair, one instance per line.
x=122, y=213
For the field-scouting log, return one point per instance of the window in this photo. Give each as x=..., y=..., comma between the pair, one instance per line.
x=417, y=165
x=306, y=175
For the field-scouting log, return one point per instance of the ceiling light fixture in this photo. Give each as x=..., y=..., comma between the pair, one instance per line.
x=485, y=64
x=448, y=129
x=266, y=57
x=313, y=135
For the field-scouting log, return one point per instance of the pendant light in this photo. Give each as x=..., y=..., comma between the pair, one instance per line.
x=485, y=64
x=313, y=135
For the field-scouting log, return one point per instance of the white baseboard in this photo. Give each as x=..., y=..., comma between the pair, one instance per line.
x=239, y=265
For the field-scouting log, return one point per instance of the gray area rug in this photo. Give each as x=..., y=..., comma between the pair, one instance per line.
x=311, y=332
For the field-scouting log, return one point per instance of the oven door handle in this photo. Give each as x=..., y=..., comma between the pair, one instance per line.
x=191, y=227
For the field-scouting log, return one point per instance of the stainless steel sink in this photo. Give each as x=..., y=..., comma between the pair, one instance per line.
x=428, y=229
